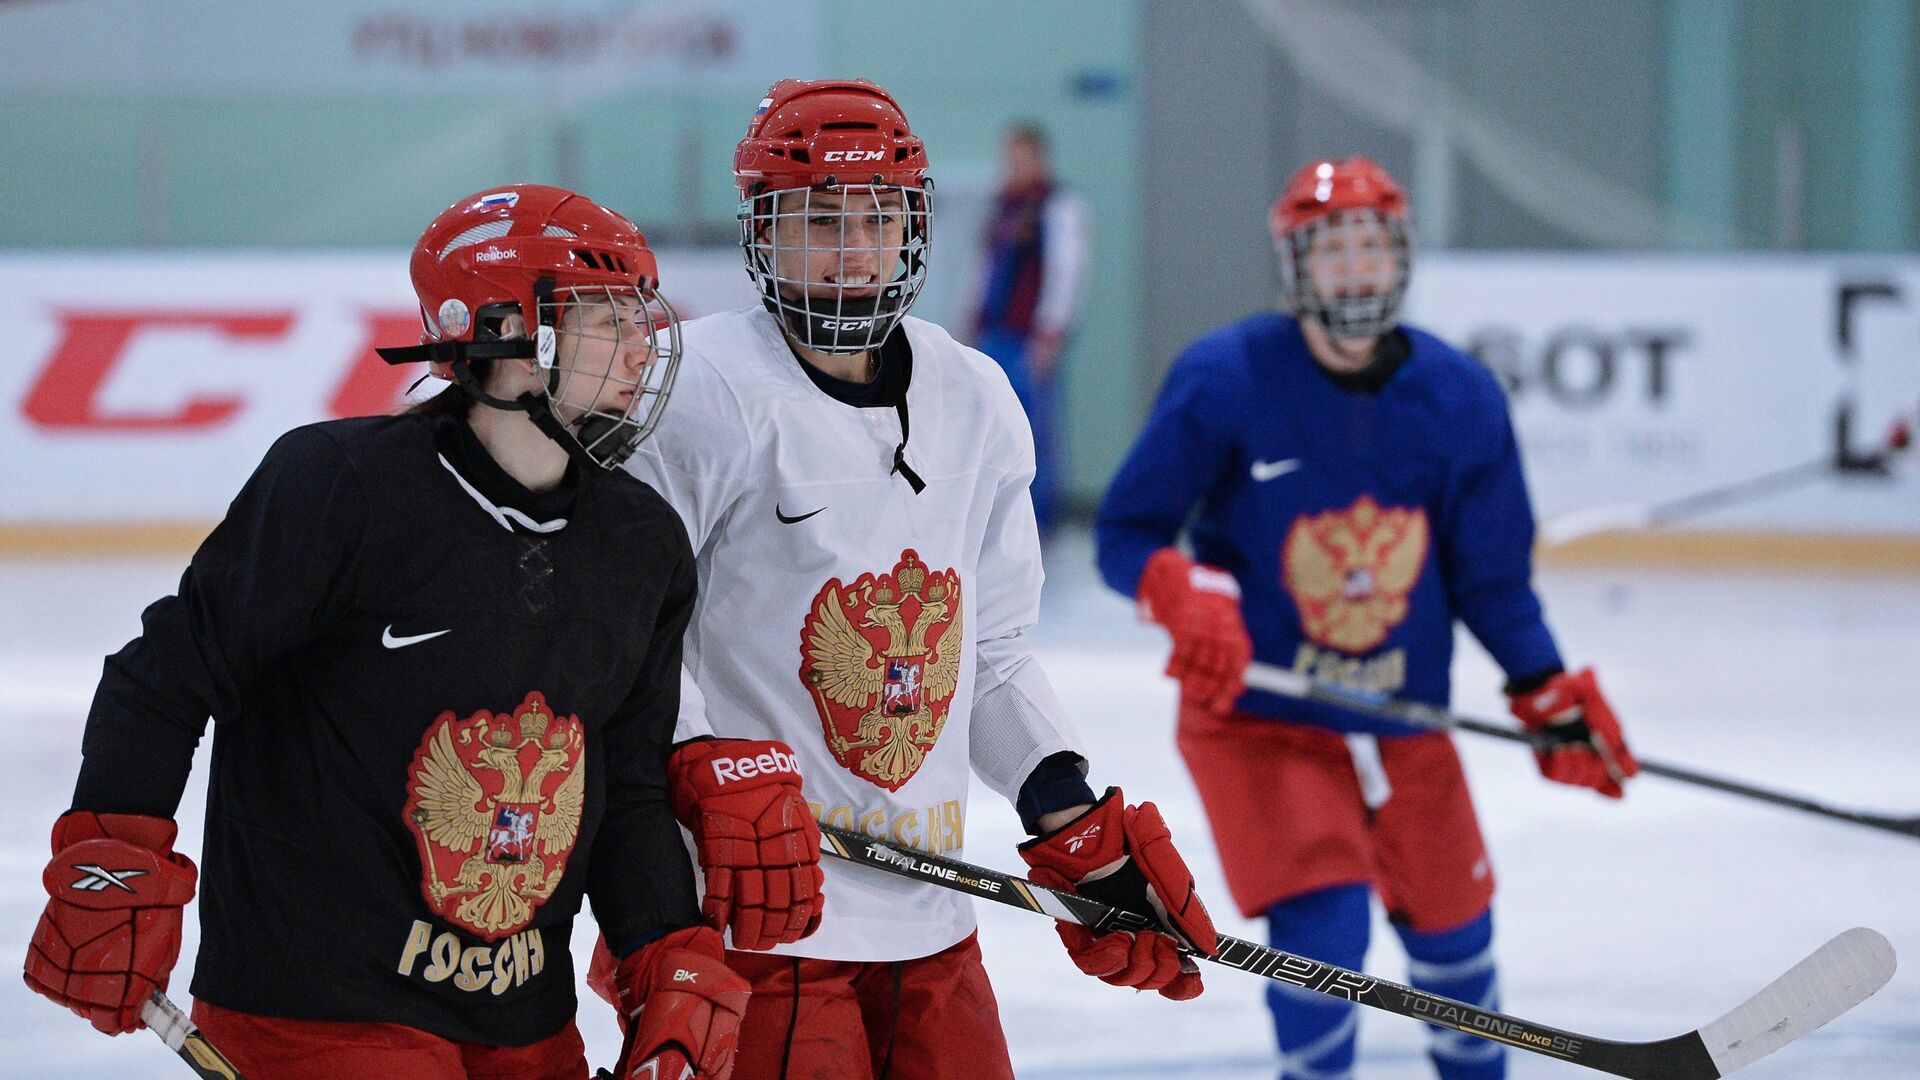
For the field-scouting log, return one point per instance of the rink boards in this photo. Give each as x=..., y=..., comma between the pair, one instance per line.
x=141, y=388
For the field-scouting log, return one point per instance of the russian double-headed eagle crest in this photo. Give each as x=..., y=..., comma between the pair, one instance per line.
x=881, y=660
x=1349, y=571
x=495, y=802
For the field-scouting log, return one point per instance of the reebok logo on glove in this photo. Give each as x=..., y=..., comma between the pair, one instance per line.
x=95, y=878
x=1076, y=842
x=754, y=836
x=746, y=768
x=1208, y=579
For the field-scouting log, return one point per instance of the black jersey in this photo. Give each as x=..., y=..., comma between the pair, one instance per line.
x=444, y=706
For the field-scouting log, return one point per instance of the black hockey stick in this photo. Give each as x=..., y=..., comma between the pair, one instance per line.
x=1278, y=680
x=1836, y=977
x=183, y=1038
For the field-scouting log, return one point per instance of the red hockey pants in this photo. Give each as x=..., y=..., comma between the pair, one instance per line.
x=1289, y=817
x=272, y=1048
x=933, y=1018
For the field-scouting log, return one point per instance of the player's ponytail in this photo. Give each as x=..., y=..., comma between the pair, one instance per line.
x=453, y=399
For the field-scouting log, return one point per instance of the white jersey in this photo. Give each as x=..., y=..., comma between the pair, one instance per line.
x=879, y=632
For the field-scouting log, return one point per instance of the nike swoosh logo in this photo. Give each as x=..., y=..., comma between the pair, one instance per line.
x=391, y=642
x=785, y=520
x=1266, y=470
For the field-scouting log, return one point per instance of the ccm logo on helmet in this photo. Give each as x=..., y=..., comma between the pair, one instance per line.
x=746, y=768
x=845, y=324
x=854, y=155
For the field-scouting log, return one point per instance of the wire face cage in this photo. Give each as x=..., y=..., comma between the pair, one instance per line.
x=840, y=265
x=611, y=354
x=1348, y=270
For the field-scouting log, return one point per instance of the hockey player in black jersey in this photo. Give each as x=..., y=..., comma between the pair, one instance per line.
x=443, y=652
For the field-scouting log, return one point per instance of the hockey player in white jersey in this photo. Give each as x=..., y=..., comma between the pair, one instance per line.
x=855, y=484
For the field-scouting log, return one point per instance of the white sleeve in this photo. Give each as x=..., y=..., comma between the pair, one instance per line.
x=1018, y=721
x=1065, y=259
x=695, y=459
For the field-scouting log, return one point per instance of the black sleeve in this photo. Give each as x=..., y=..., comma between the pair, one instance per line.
x=278, y=569
x=640, y=877
x=1059, y=781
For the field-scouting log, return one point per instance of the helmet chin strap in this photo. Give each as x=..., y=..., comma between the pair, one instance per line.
x=850, y=329
x=573, y=443
x=540, y=348
x=1339, y=344
x=539, y=409
x=844, y=326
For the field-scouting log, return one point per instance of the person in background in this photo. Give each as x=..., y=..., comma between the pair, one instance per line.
x=1035, y=253
x=1358, y=490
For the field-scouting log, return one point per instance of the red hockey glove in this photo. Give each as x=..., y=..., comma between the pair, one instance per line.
x=757, y=841
x=1200, y=606
x=680, y=1008
x=1122, y=855
x=111, y=931
x=1593, y=752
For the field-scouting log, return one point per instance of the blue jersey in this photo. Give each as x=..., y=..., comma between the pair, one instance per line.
x=1359, y=523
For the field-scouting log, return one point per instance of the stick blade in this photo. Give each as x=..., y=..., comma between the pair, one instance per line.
x=1837, y=976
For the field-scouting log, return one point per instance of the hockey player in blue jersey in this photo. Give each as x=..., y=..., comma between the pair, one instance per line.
x=1357, y=488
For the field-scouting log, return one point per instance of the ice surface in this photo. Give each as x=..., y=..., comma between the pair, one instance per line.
x=1635, y=920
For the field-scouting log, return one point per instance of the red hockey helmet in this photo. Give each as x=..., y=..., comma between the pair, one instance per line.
x=543, y=253
x=1340, y=230
x=821, y=158
x=493, y=247
x=828, y=133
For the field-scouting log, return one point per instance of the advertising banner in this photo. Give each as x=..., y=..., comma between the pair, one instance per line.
x=1644, y=378
x=142, y=388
